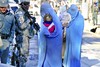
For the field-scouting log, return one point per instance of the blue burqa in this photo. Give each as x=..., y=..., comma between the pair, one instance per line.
x=50, y=44
x=74, y=32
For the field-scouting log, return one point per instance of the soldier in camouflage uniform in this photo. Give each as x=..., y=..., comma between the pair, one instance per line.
x=24, y=28
x=7, y=29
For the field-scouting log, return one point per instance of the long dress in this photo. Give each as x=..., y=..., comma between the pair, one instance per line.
x=74, y=32
x=50, y=44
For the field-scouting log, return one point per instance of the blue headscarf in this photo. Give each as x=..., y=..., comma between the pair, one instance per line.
x=73, y=10
x=47, y=9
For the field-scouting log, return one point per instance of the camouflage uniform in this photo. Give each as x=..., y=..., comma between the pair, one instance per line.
x=23, y=29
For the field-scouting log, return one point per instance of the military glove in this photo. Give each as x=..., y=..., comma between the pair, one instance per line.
x=33, y=20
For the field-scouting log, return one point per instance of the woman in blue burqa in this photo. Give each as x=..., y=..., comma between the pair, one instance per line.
x=50, y=38
x=74, y=32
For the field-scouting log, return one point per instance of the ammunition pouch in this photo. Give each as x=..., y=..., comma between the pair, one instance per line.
x=19, y=39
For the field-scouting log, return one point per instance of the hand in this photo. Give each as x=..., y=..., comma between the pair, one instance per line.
x=36, y=26
x=34, y=19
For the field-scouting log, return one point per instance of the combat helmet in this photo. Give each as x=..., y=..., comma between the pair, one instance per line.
x=24, y=1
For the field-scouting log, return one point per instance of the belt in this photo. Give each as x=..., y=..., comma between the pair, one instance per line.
x=4, y=36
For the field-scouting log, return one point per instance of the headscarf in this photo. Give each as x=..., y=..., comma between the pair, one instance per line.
x=73, y=10
x=47, y=9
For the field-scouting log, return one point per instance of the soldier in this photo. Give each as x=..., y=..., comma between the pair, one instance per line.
x=95, y=13
x=7, y=28
x=23, y=26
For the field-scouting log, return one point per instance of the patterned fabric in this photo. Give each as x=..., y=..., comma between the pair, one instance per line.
x=50, y=25
x=23, y=30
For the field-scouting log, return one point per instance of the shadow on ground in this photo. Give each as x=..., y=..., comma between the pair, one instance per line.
x=90, y=38
x=86, y=62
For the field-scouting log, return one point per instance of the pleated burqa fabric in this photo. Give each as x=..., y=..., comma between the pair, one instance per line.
x=50, y=44
x=74, y=32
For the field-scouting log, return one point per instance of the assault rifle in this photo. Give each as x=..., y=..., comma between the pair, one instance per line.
x=36, y=26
